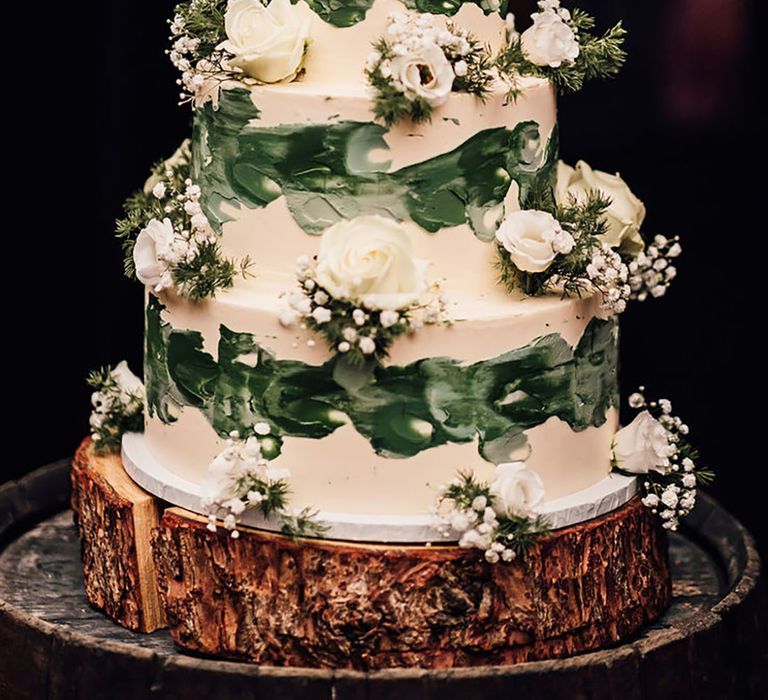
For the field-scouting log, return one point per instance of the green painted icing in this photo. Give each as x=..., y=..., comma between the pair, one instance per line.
x=329, y=172
x=340, y=13
x=451, y=7
x=400, y=410
x=217, y=134
x=159, y=386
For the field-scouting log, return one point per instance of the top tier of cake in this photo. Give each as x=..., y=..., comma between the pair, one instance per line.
x=280, y=163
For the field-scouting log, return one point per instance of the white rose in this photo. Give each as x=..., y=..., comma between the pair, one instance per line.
x=642, y=446
x=370, y=259
x=127, y=380
x=267, y=43
x=549, y=41
x=626, y=212
x=531, y=238
x=424, y=72
x=152, y=245
x=516, y=490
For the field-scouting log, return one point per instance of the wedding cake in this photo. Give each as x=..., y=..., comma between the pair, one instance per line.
x=378, y=307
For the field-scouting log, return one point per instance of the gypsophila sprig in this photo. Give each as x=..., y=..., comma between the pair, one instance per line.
x=197, y=31
x=118, y=406
x=348, y=326
x=655, y=448
x=541, y=251
x=652, y=270
x=419, y=63
x=167, y=240
x=242, y=478
x=560, y=47
x=475, y=513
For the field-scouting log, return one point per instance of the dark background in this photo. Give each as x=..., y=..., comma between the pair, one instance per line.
x=93, y=102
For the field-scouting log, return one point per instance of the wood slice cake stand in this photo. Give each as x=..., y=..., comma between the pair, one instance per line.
x=709, y=643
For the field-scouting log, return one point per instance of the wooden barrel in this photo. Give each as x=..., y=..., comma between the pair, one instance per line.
x=711, y=643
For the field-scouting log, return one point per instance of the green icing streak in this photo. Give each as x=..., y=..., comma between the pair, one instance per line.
x=327, y=172
x=400, y=410
x=217, y=134
x=346, y=13
x=451, y=7
x=340, y=13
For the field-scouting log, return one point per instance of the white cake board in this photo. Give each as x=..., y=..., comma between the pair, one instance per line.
x=601, y=498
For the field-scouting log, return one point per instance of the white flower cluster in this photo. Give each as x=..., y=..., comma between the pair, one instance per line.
x=117, y=402
x=655, y=445
x=163, y=244
x=492, y=518
x=551, y=40
x=609, y=274
x=183, y=54
x=241, y=477
x=423, y=58
x=360, y=328
x=652, y=271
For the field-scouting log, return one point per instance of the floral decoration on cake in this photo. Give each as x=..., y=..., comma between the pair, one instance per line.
x=560, y=47
x=582, y=237
x=241, y=477
x=118, y=406
x=167, y=240
x=364, y=289
x=420, y=62
x=655, y=448
x=245, y=40
x=499, y=518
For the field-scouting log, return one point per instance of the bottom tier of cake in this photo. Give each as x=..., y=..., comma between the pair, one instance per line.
x=274, y=600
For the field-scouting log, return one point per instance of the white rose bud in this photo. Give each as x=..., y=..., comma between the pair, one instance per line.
x=370, y=259
x=624, y=215
x=549, y=41
x=642, y=446
x=153, y=244
x=266, y=43
x=424, y=72
x=367, y=345
x=528, y=236
x=321, y=314
x=388, y=318
x=516, y=490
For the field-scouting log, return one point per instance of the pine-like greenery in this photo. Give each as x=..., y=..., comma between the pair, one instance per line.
x=341, y=318
x=599, y=57
x=515, y=532
x=120, y=418
x=200, y=276
x=391, y=105
x=203, y=20
x=585, y=221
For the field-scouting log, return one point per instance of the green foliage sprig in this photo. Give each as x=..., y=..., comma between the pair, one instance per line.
x=503, y=537
x=244, y=480
x=203, y=22
x=391, y=104
x=585, y=221
x=351, y=329
x=168, y=194
x=668, y=488
x=599, y=57
x=117, y=408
